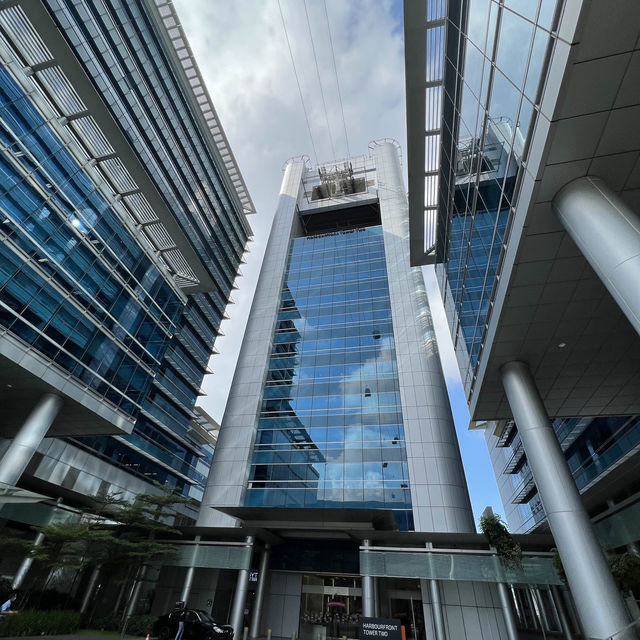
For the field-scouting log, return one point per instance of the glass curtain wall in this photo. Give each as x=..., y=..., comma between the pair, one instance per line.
x=72, y=283
x=330, y=430
x=504, y=46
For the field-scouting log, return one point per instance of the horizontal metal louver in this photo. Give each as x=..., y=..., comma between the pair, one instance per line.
x=29, y=44
x=60, y=91
x=91, y=135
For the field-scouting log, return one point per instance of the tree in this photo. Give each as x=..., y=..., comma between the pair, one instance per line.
x=114, y=532
x=499, y=537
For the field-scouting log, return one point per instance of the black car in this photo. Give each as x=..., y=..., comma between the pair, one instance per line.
x=198, y=625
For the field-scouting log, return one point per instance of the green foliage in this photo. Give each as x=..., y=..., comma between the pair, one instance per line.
x=557, y=564
x=118, y=532
x=626, y=571
x=46, y=600
x=136, y=626
x=140, y=625
x=31, y=622
x=499, y=537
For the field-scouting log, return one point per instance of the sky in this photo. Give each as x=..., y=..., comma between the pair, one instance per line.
x=242, y=51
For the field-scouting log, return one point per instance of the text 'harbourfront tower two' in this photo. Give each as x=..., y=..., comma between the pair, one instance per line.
x=339, y=401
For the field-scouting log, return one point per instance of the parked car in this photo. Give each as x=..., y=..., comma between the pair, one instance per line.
x=198, y=625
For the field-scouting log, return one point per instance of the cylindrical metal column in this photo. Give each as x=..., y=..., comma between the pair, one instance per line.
x=544, y=620
x=368, y=604
x=254, y=631
x=562, y=616
x=89, y=590
x=191, y=570
x=135, y=594
x=607, y=232
x=596, y=596
x=29, y=436
x=507, y=612
x=436, y=607
x=240, y=597
x=376, y=597
x=25, y=565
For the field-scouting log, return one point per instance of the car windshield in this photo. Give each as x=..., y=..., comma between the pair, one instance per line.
x=204, y=616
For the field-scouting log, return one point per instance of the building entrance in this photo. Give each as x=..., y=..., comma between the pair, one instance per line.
x=330, y=607
x=402, y=600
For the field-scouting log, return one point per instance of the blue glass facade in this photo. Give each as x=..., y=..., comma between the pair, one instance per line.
x=492, y=93
x=72, y=284
x=472, y=266
x=120, y=47
x=95, y=178
x=330, y=430
x=591, y=445
x=490, y=104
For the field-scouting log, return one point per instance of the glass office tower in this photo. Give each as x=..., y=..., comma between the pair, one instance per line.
x=338, y=401
x=124, y=223
x=332, y=398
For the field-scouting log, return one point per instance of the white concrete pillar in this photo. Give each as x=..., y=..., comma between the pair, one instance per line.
x=507, y=612
x=191, y=570
x=25, y=565
x=436, y=608
x=597, y=599
x=89, y=590
x=29, y=436
x=256, y=615
x=607, y=232
x=368, y=603
x=135, y=594
x=376, y=597
x=559, y=605
x=240, y=596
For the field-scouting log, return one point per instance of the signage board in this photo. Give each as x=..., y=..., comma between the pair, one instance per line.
x=380, y=629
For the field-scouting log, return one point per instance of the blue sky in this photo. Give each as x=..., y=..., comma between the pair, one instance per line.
x=242, y=53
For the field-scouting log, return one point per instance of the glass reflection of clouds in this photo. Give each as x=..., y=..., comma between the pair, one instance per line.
x=330, y=432
x=505, y=47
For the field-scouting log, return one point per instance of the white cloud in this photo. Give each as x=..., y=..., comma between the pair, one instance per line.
x=242, y=53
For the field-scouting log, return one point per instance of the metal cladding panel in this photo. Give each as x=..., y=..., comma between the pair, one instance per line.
x=438, y=487
x=230, y=467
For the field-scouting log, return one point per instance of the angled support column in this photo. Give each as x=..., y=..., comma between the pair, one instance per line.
x=254, y=631
x=368, y=604
x=86, y=598
x=25, y=565
x=29, y=436
x=597, y=599
x=607, y=232
x=240, y=596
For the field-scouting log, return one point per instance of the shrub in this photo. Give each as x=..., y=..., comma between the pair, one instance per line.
x=31, y=622
x=137, y=625
x=140, y=625
x=499, y=537
x=106, y=623
x=626, y=571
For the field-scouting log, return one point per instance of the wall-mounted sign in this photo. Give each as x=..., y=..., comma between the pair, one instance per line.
x=374, y=628
x=253, y=576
